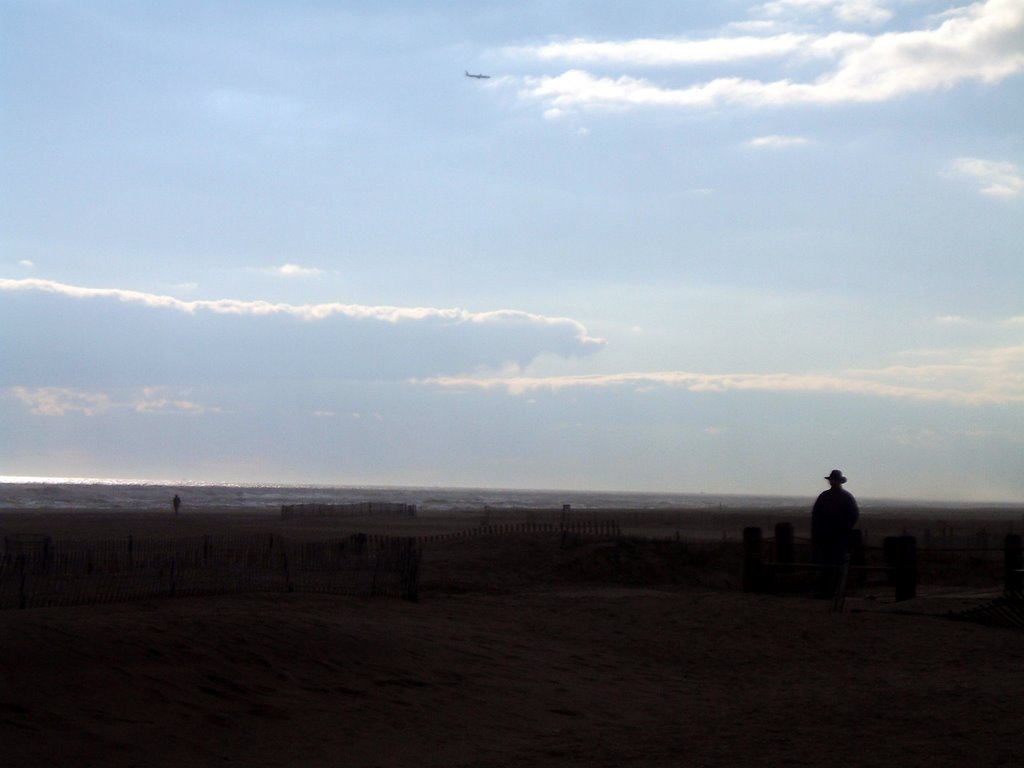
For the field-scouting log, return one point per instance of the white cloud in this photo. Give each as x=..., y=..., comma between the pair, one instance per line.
x=752, y=25
x=978, y=42
x=309, y=312
x=157, y=400
x=852, y=11
x=996, y=179
x=67, y=335
x=776, y=142
x=60, y=401
x=294, y=270
x=990, y=376
x=990, y=323
x=660, y=52
x=26, y=263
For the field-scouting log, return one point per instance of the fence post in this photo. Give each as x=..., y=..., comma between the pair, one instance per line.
x=287, y=575
x=410, y=571
x=22, y=597
x=753, y=567
x=376, y=570
x=905, y=577
x=1013, y=562
x=857, y=558
x=784, y=547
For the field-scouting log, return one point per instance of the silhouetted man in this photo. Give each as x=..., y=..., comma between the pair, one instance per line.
x=176, y=503
x=833, y=517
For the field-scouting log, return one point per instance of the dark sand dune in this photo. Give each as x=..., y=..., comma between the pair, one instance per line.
x=517, y=654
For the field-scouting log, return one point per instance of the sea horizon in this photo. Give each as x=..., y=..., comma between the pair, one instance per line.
x=84, y=493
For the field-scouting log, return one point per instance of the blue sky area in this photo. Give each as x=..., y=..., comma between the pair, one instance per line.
x=719, y=247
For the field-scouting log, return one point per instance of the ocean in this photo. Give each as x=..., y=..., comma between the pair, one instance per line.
x=19, y=493
x=68, y=494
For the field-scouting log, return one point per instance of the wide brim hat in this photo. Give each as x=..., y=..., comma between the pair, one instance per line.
x=835, y=474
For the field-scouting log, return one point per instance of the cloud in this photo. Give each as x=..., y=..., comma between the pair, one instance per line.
x=776, y=142
x=983, y=377
x=26, y=263
x=989, y=323
x=64, y=401
x=294, y=270
x=852, y=11
x=752, y=25
x=978, y=42
x=661, y=52
x=65, y=334
x=157, y=400
x=996, y=179
x=310, y=312
x=60, y=401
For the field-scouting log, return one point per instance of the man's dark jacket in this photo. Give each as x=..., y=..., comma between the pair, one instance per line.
x=833, y=517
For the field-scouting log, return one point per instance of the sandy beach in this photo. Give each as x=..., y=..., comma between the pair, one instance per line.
x=519, y=652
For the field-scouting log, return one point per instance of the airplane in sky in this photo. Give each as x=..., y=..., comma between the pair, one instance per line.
x=478, y=77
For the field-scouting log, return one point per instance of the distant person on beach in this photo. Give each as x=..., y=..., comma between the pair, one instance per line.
x=834, y=515
x=176, y=503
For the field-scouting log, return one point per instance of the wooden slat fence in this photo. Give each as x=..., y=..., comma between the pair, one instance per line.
x=1005, y=611
x=41, y=571
x=597, y=528
x=357, y=509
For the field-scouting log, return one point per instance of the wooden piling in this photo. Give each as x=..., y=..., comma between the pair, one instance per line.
x=901, y=557
x=784, y=553
x=1013, y=563
x=753, y=565
x=857, y=557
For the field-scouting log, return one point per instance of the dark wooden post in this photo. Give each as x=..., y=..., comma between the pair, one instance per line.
x=857, y=559
x=889, y=553
x=1013, y=563
x=410, y=572
x=784, y=547
x=753, y=567
x=906, y=567
x=22, y=595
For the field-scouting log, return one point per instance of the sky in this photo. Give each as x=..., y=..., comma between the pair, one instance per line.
x=670, y=247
